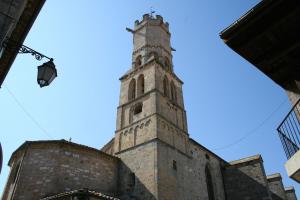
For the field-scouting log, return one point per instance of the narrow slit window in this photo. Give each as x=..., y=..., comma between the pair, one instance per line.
x=173, y=92
x=132, y=179
x=166, y=86
x=175, y=165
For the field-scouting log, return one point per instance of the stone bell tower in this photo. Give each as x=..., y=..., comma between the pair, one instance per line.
x=151, y=111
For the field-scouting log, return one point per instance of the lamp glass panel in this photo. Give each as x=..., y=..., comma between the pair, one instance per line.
x=46, y=73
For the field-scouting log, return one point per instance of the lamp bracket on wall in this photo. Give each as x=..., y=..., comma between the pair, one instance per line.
x=14, y=46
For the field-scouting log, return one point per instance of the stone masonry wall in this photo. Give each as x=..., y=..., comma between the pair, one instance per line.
x=171, y=134
x=245, y=179
x=12, y=178
x=200, y=159
x=290, y=193
x=149, y=79
x=138, y=172
x=138, y=133
x=187, y=180
x=276, y=187
x=151, y=34
x=54, y=167
x=160, y=73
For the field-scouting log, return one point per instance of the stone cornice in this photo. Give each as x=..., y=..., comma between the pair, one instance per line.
x=247, y=160
x=28, y=144
x=145, y=119
x=133, y=71
x=170, y=102
x=154, y=140
x=150, y=23
x=274, y=177
x=207, y=150
x=151, y=46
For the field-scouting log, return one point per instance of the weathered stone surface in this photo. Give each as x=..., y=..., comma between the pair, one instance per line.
x=246, y=179
x=290, y=193
x=47, y=167
x=142, y=161
x=276, y=187
x=188, y=180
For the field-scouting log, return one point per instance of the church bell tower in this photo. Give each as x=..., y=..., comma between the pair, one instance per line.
x=151, y=111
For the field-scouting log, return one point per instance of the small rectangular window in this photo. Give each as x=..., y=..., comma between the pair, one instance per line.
x=138, y=108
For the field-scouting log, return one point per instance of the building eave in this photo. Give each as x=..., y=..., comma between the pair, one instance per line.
x=19, y=34
x=247, y=160
x=207, y=150
x=228, y=32
x=27, y=144
x=267, y=37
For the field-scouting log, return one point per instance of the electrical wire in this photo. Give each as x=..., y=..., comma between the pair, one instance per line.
x=27, y=113
x=253, y=131
x=248, y=134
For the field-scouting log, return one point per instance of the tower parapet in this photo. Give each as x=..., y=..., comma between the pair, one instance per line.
x=151, y=39
x=157, y=20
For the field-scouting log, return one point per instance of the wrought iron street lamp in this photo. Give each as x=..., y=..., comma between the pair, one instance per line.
x=46, y=72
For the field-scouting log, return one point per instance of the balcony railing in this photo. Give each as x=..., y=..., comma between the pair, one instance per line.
x=289, y=131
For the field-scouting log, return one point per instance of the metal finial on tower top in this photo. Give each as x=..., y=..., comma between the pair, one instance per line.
x=151, y=12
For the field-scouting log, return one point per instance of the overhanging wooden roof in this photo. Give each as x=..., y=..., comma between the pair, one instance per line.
x=19, y=34
x=268, y=37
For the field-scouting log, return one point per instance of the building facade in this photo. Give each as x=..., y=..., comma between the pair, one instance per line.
x=151, y=155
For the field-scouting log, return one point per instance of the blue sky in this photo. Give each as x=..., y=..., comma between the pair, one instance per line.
x=232, y=108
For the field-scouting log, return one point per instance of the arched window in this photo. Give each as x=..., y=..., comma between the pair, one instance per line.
x=173, y=92
x=166, y=86
x=135, y=110
x=167, y=63
x=209, y=184
x=138, y=108
x=131, y=90
x=138, y=61
x=140, y=85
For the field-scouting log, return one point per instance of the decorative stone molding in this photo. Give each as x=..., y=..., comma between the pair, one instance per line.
x=140, y=125
x=133, y=71
x=169, y=127
x=172, y=106
x=148, y=46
